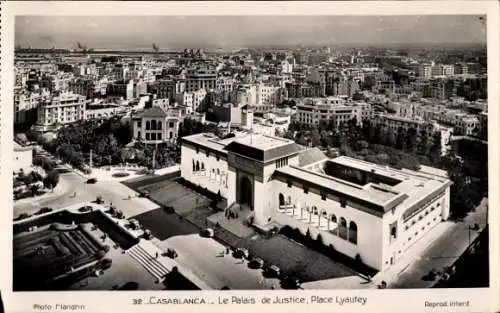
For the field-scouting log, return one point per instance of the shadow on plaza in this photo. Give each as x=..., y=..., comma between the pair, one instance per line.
x=164, y=225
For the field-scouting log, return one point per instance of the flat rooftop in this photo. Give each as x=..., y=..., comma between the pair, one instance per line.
x=210, y=141
x=255, y=146
x=408, y=188
x=263, y=142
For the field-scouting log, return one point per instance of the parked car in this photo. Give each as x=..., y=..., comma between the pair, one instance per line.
x=22, y=216
x=134, y=224
x=169, y=209
x=144, y=193
x=44, y=210
x=92, y=181
x=131, y=285
x=291, y=282
x=256, y=263
x=241, y=253
x=85, y=208
x=207, y=233
x=273, y=271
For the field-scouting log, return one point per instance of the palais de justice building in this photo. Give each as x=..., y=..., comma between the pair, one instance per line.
x=358, y=207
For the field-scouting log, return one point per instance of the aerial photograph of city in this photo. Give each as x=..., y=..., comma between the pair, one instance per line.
x=250, y=152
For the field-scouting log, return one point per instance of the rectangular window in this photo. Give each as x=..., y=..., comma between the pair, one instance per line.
x=323, y=196
x=159, y=136
x=289, y=183
x=139, y=124
x=306, y=189
x=343, y=203
x=147, y=136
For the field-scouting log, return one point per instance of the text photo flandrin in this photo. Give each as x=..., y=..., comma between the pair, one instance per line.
x=191, y=156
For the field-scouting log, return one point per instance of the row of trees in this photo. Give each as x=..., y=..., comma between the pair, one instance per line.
x=372, y=142
x=106, y=138
x=32, y=180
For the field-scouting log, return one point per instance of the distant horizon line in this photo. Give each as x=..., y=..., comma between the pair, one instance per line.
x=254, y=46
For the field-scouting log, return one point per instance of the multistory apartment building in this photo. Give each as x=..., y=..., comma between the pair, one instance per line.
x=123, y=88
x=26, y=106
x=167, y=88
x=225, y=83
x=425, y=71
x=196, y=100
x=61, y=108
x=201, y=78
x=57, y=82
x=86, y=87
x=331, y=109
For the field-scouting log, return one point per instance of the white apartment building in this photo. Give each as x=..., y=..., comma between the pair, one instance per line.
x=156, y=125
x=195, y=100
x=25, y=105
x=224, y=83
x=425, y=71
x=360, y=209
x=268, y=95
x=61, y=108
x=313, y=110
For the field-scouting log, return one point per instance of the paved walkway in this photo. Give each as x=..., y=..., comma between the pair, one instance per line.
x=168, y=170
x=234, y=225
x=205, y=258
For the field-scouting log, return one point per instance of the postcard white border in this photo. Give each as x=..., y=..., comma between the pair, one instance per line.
x=482, y=300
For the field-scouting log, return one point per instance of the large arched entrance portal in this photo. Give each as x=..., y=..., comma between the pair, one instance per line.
x=246, y=194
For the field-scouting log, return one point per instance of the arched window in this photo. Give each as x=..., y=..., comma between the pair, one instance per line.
x=281, y=199
x=393, y=232
x=194, y=166
x=343, y=228
x=202, y=166
x=314, y=210
x=148, y=125
x=353, y=233
x=289, y=200
x=158, y=126
x=333, y=218
x=218, y=172
x=153, y=125
x=197, y=166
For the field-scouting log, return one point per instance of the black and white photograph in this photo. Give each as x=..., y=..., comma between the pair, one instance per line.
x=250, y=152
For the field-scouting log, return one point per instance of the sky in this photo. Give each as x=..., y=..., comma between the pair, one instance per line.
x=173, y=32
